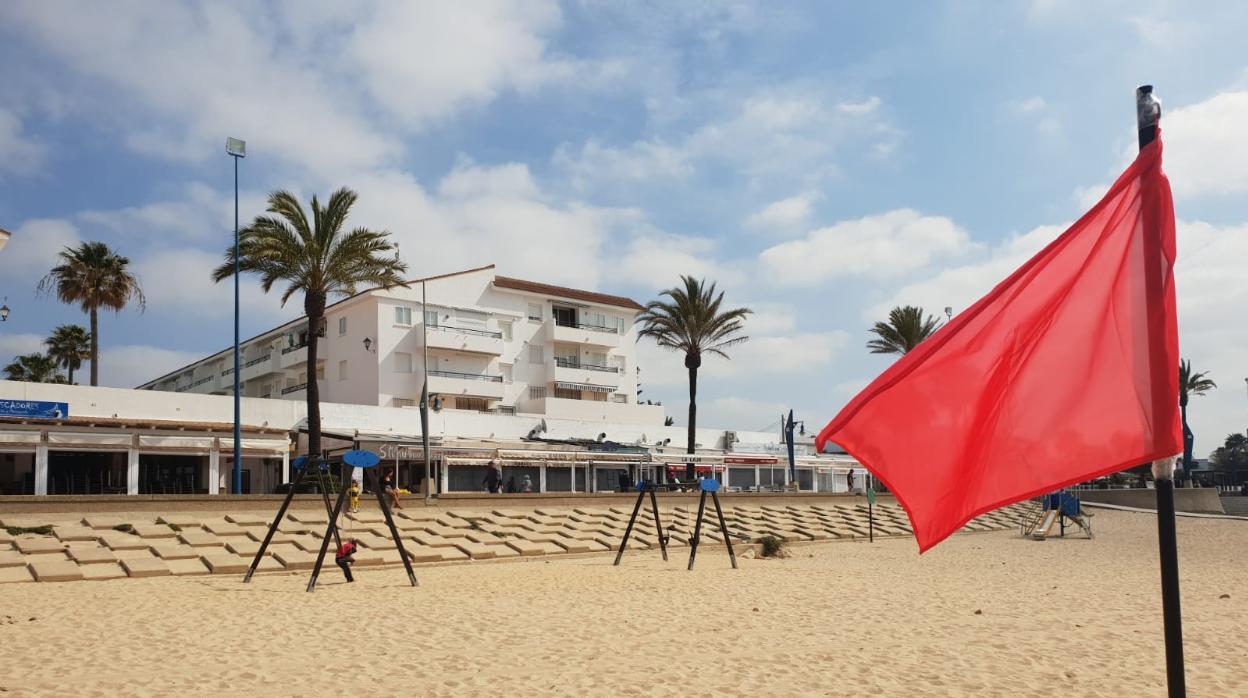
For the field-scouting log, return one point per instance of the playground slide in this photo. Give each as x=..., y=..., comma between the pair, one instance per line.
x=1046, y=525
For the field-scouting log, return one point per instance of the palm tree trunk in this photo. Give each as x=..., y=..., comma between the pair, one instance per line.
x=1187, y=440
x=692, y=363
x=71, y=373
x=314, y=306
x=95, y=346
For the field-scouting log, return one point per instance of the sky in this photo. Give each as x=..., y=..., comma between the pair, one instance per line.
x=822, y=162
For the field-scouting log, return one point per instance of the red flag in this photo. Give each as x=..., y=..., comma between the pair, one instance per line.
x=1066, y=371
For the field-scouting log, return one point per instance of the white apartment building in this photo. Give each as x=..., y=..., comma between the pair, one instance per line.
x=494, y=344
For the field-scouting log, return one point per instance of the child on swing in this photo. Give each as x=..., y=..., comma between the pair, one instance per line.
x=345, y=556
x=354, y=492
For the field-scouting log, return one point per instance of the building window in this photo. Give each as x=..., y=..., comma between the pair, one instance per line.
x=342, y=326
x=595, y=396
x=403, y=402
x=479, y=404
x=621, y=326
x=431, y=318
x=567, y=394
x=537, y=393
x=536, y=355
x=402, y=315
x=320, y=373
x=506, y=371
x=402, y=362
x=535, y=312
x=619, y=362
x=505, y=329
x=342, y=370
x=620, y=398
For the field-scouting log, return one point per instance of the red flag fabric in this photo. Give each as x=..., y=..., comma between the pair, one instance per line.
x=1066, y=371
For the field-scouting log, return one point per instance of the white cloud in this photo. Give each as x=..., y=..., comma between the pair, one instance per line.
x=737, y=413
x=802, y=353
x=888, y=245
x=640, y=162
x=1206, y=146
x=12, y=345
x=657, y=260
x=125, y=366
x=19, y=155
x=1030, y=105
x=783, y=215
x=178, y=282
x=32, y=251
x=770, y=319
x=196, y=213
x=867, y=106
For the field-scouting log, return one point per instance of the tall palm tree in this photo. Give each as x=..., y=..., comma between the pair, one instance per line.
x=906, y=329
x=317, y=257
x=1190, y=384
x=69, y=346
x=33, y=368
x=93, y=276
x=691, y=321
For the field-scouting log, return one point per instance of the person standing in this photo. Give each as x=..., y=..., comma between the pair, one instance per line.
x=849, y=481
x=527, y=485
x=354, y=492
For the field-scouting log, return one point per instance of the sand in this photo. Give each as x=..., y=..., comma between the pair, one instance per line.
x=983, y=614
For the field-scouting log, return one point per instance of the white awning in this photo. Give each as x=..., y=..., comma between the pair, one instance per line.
x=90, y=438
x=267, y=445
x=680, y=458
x=193, y=443
x=19, y=437
x=588, y=387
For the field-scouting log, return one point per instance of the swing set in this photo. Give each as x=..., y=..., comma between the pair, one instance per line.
x=365, y=460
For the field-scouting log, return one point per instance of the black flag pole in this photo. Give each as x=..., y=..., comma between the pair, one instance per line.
x=1148, y=113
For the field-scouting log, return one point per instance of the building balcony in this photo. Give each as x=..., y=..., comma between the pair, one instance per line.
x=296, y=356
x=295, y=392
x=582, y=334
x=465, y=339
x=466, y=384
x=574, y=372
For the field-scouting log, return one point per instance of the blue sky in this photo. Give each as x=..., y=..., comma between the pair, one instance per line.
x=821, y=161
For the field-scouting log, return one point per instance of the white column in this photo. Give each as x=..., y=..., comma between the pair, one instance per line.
x=132, y=472
x=214, y=470
x=446, y=480
x=756, y=474
x=41, y=469
x=541, y=478
x=286, y=468
x=814, y=479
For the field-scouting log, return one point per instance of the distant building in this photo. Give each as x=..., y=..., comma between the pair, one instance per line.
x=495, y=344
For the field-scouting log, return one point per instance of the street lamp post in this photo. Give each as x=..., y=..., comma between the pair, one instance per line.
x=237, y=150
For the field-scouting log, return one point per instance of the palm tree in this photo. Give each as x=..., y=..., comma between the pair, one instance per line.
x=69, y=346
x=906, y=329
x=691, y=321
x=1190, y=384
x=316, y=257
x=93, y=276
x=33, y=368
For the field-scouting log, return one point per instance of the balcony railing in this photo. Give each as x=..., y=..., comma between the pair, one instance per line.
x=196, y=384
x=574, y=363
x=294, y=388
x=584, y=326
x=260, y=360
x=227, y=371
x=297, y=347
x=467, y=330
x=467, y=376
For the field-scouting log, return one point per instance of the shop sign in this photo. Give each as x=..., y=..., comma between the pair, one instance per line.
x=34, y=409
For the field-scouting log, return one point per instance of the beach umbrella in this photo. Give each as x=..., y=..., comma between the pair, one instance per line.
x=992, y=413
x=788, y=442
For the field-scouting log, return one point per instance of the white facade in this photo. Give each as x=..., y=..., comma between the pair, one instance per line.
x=494, y=344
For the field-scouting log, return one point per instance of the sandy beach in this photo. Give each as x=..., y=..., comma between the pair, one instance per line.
x=983, y=614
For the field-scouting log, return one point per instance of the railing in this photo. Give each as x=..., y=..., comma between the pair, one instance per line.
x=467, y=376
x=227, y=371
x=294, y=388
x=196, y=384
x=297, y=347
x=260, y=360
x=575, y=363
x=585, y=326
x=467, y=330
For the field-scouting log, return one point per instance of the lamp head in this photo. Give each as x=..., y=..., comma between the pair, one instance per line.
x=368, y=344
x=4, y=313
x=236, y=147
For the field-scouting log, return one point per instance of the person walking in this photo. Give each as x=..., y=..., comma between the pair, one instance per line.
x=493, y=477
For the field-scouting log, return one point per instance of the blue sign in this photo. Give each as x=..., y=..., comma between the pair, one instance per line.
x=34, y=409
x=709, y=485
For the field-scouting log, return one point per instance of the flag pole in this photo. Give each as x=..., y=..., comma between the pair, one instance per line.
x=1148, y=112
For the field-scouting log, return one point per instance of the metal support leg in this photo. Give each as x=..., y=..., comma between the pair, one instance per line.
x=394, y=533
x=281, y=512
x=628, y=530
x=697, y=530
x=723, y=529
x=323, y=486
x=658, y=524
x=330, y=530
